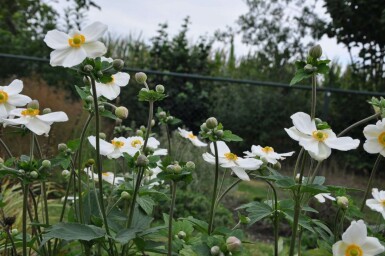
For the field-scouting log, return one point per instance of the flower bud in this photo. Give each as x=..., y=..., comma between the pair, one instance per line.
x=162, y=114
x=219, y=133
x=277, y=166
x=152, y=123
x=343, y=202
x=46, y=164
x=297, y=177
x=34, y=104
x=118, y=64
x=21, y=171
x=139, y=133
x=102, y=135
x=47, y=111
x=101, y=108
x=91, y=161
x=215, y=250
x=181, y=235
x=65, y=173
x=9, y=221
x=211, y=123
x=125, y=195
x=159, y=88
x=142, y=161
x=14, y=231
x=89, y=99
x=204, y=128
x=86, y=80
x=233, y=244
x=88, y=68
x=177, y=168
x=99, y=74
x=143, y=128
x=121, y=112
x=169, y=118
x=190, y=165
x=144, y=90
x=315, y=52
x=140, y=77
x=34, y=174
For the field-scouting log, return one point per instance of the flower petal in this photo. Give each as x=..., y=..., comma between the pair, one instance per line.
x=56, y=39
x=249, y=163
x=372, y=146
x=375, y=205
x=222, y=148
x=94, y=49
x=241, y=173
x=303, y=123
x=310, y=144
x=323, y=152
x=3, y=111
x=18, y=100
x=372, y=246
x=68, y=57
x=372, y=131
x=342, y=143
x=13, y=88
x=59, y=116
x=356, y=233
x=107, y=90
x=38, y=127
x=121, y=79
x=208, y=158
x=94, y=31
x=295, y=134
x=339, y=248
x=196, y=142
x=105, y=147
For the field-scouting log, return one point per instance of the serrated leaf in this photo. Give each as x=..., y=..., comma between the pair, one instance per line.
x=229, y=136
x=125, y=235
x=74, y=231
x=146, y=203
x=299, y=76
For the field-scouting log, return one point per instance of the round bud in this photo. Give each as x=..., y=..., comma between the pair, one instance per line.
x=9, y=221
x=297, y=177
x=86, y=80
x=46, y=163
x=181, y=235
x=139, y=133
x=144, y=90
x=215, y=250
x=69, y=151
x=47, y=111
x=65, y=173
x=219, y=133
x=89, y=99
x=169, y=118
x=101, y=108
x=88, y=68
x=14, y=231
x=162, y=114
x=204, y=128
x=21, y=171
x=152, y=123
x=159, y=88
x=125, y=195
x=99, y=74
x=142, y=161
x=190, y=165
x=343, y=202
x=140, y=77
x=118, y=64
x=177, y=168
x=211, y=123
x=102, y=135
x=233, y=244
x=315, y=52
x=245, y=220
x=91, y=161
x=34, y=174
x=143, y=128
x=121, y=112
x=34, y=104
x=170, y=168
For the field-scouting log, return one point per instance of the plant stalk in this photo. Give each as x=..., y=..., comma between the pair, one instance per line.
x=212, y=210
x=372, y=174
x=173, y=197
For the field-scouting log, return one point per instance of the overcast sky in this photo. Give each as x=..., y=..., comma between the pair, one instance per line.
x=141, y=17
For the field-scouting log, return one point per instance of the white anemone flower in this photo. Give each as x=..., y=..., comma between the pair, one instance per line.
x=135, y=144
x=267, y=154
x=321, y=197
x=378, y=202
x=375, y=138
x=112, y=150
x=317, y=142
x=194, y=139
x=38, y=124
x=71, y=49
x=10, y=97
x=106, y=176
x=230, y=160
x=355, y=242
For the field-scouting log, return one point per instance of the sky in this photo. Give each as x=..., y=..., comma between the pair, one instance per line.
x=141, y=18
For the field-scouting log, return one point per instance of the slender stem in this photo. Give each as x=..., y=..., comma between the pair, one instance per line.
x=336, y=224
x=25, y=202
x=168, y=140
x=297, y=162
x=173, y=193
x=276, y=218
x=12, y=242
x=299, y=241
x=6, y=148
x=44, y=190
x=219, y=198
x=212, y=210
x=150, y=115
x=363, y=121
x=372, y=174
x=313, y=96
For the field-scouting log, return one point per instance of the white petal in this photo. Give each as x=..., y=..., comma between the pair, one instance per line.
x=342, y=143
x=376, y=194
x=3, y=111
x=339, y=248
x=372, y=146
x=198, y=143
x=105, y=147
x=240, y=173
x=107, y=90
x=295, y=134
x=323, y=152
x=310, y=144
x=94, y=31
x=356, y=233
x=68, y=57
x=38, y=127
x=222, y=148
x=115, y=154
x=249, y=163
x=208, y=158
x=320, y=198
x=121, y=79
x=18, y=100
x=160, y=152
x=372, y=131
x=13, y=88
x=17, y=121
x=303, y=123
x=183, y=133
x=153, y=143
x=375, y=205
x=59, y=116
x=94, y=49
x=372, y=246
x=56, y=39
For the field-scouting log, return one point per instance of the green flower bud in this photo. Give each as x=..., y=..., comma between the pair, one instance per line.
x=101, y=108
x=343, y=202
x=65, y=173
x=140, y=77
x=152, y=123
x=102, y=135
x=169, y=118
x=170, y=168
x=143, y=128
x=21, y=171
x=177, y=168
x=162, y=114
x=277, y=166
x=46, y=111
x=91, y=161
x=245, y=220
x=159, y=88
x=34, y=174
x=204, y=128
x=190, y=165
x=215, y=250
x=139, y=133
x=219, y=133
x=233, y=244
x=121, y=112
x=125, y=195
x=88, y=68
x=34, y=104
x=89, y=99
x=46, y=164
x=118, y=64
x=99, y=74
x=142, y=161
x=14, y=232
x=181, y=235
x=145, y=90
x=69, y=151
x=315, y=52
x=211, y=123
x=86, y=80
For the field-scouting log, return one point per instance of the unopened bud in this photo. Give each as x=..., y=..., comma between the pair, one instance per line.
x=65, y=173
x=233, y=244
x=211, y=123
x=140, y=77
x=177, y=168
x=181, y=235
x=34, y=174
x=62, y=147
x=190, y=165
x=89, y=99
x=245, y=220
x=46, y=163
x=91, y=161
x=47, y=111
x=14, y=232
x=159, y=88
x=169, y=118
x=316, y=51
x=102, y=135
x=277, y=166
x=343, y=202
x=162, y=114
x=86, y=80
x=152, y=123
x=34, y=104
x=139, y=133
x=121, y=112
x=219, y=133
x=204, y=128
x=143, y=128
x=118, y=64
x=101, y=108
x=99, y=74
x=142, y=161
x=215, y=250
x=125, y=195
x=88, y=68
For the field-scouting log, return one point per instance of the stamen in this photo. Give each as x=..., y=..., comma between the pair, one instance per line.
x=136, y=143
x=320, y=135
x=3, y=97
x=381, y=138
x=117, y=144
x=268, y=149
x=191, y=136
x=353, y=250
x=77, y=41
x=30, y=112
x=231, y=156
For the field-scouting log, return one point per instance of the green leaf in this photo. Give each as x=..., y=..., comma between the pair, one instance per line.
x=108, y=114
x=299, y=76
x=125, y=235
x=73, y=144
x=286, y=183
x=146, y=203
x=74, y=231
x=198, y=224
x=229, y=136
x=317, y=252
x=314, y=189
x=106, y=79
x=322, y=68
x=258, y=211
x=150, y=95
x=299, y=64
x=83, y=95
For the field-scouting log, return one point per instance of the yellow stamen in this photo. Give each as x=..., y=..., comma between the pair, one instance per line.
x=77, y=41
x=117, y=144
x=231, y=156
x=3, y=97
x=30, y=112
x=105, y=174
x=136, y=143
x=381, y=138
x=353, y=250
x=191, y=136
x=320, y=135
x=268, y=150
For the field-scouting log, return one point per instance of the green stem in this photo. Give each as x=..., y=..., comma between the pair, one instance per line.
x=276, y=218
x=6, y=148
x=212, y=210
x=313, y=96
x=363, y=121
x=173, y=197
x=168, y=140
x=336, y=224
x=25, y=202
x=372, y=174
x=297, y=163
x=150, y=116
x=44, y=190
x=219, y=198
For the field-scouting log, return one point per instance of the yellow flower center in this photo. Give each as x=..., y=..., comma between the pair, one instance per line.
x=112, y=81
x=105, y=174
x=135, y=143
x=117, y=144
x=320, y=135
x=76, y=41
x=268, y=150
x=3, y=97
x=191, y=136
x=30, y=112
x=231, y=156
x=353, y=250
x=381, y=139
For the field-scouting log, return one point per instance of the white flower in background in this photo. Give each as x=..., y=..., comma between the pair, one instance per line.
x=135, y=144
x=321, y=197
x=154, y=173
x=230, y=160
x=70, y=50
x=378, y=202
x=355, y=242
x=267, y=154
x=194, y=139
x=375, y=138
x=38, y=124
x=317, y=142
x=10, y=97
x=106, y=176
x=112, y=150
